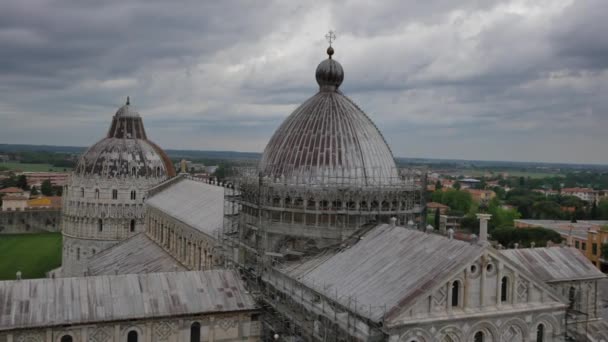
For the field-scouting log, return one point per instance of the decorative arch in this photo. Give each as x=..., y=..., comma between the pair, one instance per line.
x=416, y=334
x=66, y=337
x=128, y=336
x=450, y=333
x=552, y=327
x=490, y=331
x=510, y=330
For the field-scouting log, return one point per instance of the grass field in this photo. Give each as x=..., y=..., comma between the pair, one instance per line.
x=31, y=167
x=32, y=254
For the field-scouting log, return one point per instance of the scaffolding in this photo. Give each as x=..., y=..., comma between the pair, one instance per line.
x=268, y=220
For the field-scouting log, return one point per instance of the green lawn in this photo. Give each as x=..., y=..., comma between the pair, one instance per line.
x=32, y=254
x=31, y=167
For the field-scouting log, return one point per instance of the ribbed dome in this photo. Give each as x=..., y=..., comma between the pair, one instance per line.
x=329, y=140
x=126, y=151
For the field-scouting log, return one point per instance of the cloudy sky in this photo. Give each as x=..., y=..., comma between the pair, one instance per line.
x=466, y=79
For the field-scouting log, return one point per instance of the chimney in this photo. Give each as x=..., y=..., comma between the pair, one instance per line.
x=516, y=245
x=393, y=221
x=483, y=227
x=532, y=244
x=450, y=233
x=18, y=275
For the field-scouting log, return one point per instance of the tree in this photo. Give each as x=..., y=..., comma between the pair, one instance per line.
x=456, y=185
x=46, y=188
x=34, y=191
x=602, y=209
x=455, y=199
x=22, y=182
x=501, y=217
x=437, y=218
x=593, y=214
x=438, y=185
x=508, y=236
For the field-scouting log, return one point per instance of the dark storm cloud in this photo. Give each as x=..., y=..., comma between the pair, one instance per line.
x=224, y=74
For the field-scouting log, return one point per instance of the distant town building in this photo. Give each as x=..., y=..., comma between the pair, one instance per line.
x=481, y=196
x=586, y=236
x=14, y=191
x=586, y=194
x=44, y=202
x=433, y=206
x=14, y=202
x=36, y=178
x=466, y=183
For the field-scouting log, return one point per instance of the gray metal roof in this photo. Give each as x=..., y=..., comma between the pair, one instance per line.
x=138, y=254
x=554, y=263
x=329, y=139
x=197, y=204
x=389, y=267
x=50, y=302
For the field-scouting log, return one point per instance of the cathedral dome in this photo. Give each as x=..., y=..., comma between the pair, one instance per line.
x=329, y=140
x=125, y=151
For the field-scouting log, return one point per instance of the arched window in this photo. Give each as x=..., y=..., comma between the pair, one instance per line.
x=479, y=337
x=540, y=333
x=504, y=287
x=132, y=226
x=78, y=253
x=572, y=296
x=100, y=225
x=114, y=194
x=133, y=171
x=132, y=336
x=97, y=193
x=133, y=194
x=455, y=293
x=81, y=192
x=158, y=171
x=195, y=332
x=66, y=338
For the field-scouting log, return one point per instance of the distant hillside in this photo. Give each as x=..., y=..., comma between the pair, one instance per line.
x=253, y=156
x=174, y=154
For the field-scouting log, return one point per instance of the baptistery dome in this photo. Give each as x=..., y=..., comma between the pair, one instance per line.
x=329, y=139
x=125, y=151
x=104, y=198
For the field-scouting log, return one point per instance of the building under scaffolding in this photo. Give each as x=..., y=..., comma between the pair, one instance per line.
x=326, y=233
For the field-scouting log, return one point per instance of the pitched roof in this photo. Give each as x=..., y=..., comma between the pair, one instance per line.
x=11, y=190
x=386, y=270
x=51, y=302
x=197, y=204
x=138, y=254
x=554, y=263
x=434, y=205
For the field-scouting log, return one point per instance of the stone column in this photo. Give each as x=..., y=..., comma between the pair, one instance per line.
x=483, y=227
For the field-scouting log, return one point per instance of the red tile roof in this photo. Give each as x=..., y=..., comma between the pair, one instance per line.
x=11, y=190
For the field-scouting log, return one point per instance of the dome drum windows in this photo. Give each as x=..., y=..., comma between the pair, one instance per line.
x=114, y=194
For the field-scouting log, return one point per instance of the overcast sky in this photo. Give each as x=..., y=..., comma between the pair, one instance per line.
x=464, y=79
